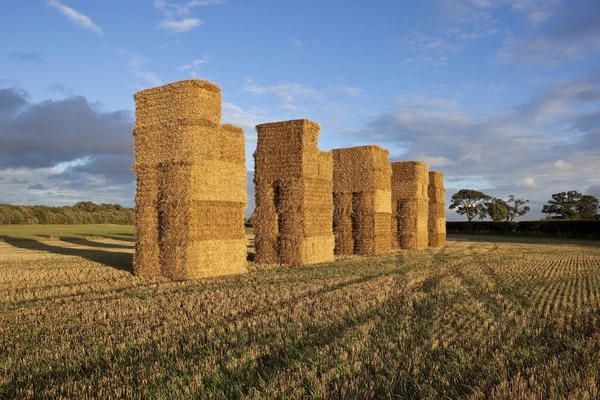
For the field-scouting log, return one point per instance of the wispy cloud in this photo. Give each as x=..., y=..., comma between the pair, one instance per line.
x=20, y=56
x=180, y=26
x=546, y=144
x=175, y=15
x=573, y=34
x=193, y=66
x=135, y=66
x=297, y=42
x=79, y=19
x=286, y=92
x=349, y=90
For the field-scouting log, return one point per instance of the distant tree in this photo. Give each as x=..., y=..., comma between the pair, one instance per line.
x=571, y=205
x=516, y=208
x=496, y=209
x=587, y=207
x=469, y=202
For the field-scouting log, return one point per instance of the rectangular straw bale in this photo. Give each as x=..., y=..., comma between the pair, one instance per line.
x=187, y=99
x=318, y=249
x=188, y=141
x=410, y=205
x=383, y=239
x=293, y=194
x=437, y=210
x=191, y=194
x=362, y=200
x=217, y=258
x=342, y=223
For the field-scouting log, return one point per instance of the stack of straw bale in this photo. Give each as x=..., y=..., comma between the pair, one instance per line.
x=410, y=205
x=191, y=184
x=362, y=200
x=437, y=210
x=293, y=179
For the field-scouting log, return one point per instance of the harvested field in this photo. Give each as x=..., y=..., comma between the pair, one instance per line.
x=474, y=319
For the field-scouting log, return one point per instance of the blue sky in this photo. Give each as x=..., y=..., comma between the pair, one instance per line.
x=501, y=96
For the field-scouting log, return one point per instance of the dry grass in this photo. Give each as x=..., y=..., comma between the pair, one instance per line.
x=474, y=319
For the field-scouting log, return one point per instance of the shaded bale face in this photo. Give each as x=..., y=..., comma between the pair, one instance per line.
x=410, y=205
x=362, y=200
x=191, y=183
x=293, y=195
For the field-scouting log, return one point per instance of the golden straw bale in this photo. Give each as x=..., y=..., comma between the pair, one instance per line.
x=410, y=205
x=362, y=200
x=293, y=195
x=437, y=210
x=187, y=99
x=191, y=180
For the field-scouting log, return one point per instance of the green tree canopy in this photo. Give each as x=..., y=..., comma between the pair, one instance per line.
x=497, y=209
x=516, y=207
x=469, y=202
x=587, y=207
x=571, y=205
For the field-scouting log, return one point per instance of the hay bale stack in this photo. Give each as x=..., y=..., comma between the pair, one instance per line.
x=437, y=210
x=293, y=178
x=362, y=200
x=191, y=191
x=410, y=205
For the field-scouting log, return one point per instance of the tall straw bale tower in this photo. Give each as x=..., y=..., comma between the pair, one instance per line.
x=362, y=200
x=437, y=210
x=293, y=179
x=410, y=205
x=191, y=184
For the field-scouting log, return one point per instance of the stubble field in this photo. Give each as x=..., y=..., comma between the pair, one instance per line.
x=476, y=319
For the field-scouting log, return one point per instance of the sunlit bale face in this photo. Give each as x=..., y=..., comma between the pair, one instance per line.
x=362, y=200
x=293, y=179
x=191, y=177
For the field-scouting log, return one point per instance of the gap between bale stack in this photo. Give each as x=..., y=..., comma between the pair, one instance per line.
x=191, y=177
x=293, y=215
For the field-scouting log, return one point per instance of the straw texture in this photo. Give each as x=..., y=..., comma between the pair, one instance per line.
x=410, y=205
x=191, y=181
x=437, y=210
x=362, y=200
x=293, y=179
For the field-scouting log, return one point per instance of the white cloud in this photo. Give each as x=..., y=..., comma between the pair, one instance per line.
x=564, y=166
x=297, y=42
x=438, y=161
x=286, y=92
x=194, y=65
x=537, y=11
x=246, y=119
x=180, y=26
x=349, y=90
x=82, y=20
x=175, y=14
x=529, y=182
x=135, y=66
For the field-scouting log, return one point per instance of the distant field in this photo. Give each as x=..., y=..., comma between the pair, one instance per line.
x=476, y=319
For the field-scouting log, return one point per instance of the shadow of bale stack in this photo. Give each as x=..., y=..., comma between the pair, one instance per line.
x=293, y=180
x=191, y=181
x=437, y=210
x=410, y=205
x=362, y=200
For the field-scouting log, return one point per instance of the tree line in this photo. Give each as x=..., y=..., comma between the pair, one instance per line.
x=570, y=205
x=84, y=212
